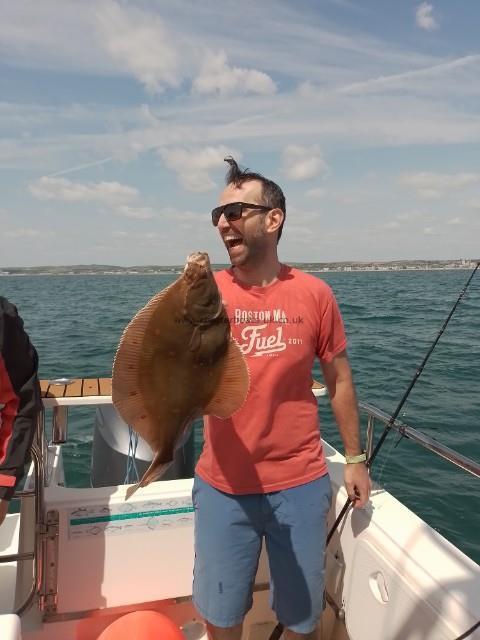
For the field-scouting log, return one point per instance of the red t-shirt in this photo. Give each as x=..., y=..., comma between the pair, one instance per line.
x=273, y=441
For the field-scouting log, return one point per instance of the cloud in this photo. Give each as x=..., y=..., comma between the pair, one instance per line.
x=120, y=199
x=393, y=224
x=140, y=42
x=302, y=163
x=355, y=121
x=192, y=166
x=424, y=17
x=216, y=76
x=410, y=216
x=316, y=193
x=107, y=193
x=105, y=38
x=26, y=233
x=429, y=185
x=85, y=41
x=139, y=213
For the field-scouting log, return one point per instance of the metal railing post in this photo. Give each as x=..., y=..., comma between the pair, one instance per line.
x=37, y=554
x=370, y=435
x=59, y=425
x=41, y=440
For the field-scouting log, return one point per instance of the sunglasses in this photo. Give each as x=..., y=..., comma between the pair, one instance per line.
x=234, y=211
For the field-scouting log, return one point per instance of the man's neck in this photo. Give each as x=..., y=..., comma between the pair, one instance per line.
x=258, y=276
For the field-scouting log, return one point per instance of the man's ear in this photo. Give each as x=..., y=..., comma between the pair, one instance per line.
x=276, y=217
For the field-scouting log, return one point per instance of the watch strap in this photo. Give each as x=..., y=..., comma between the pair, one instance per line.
x=361, y=457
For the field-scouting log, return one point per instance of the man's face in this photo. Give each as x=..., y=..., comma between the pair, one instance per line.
x=245, y=239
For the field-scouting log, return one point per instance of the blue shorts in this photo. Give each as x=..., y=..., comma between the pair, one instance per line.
x=228, y=538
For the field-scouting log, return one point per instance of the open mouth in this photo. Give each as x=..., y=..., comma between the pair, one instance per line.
x=232, y=241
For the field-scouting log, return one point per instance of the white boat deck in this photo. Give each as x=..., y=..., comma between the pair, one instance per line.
x=390, y=575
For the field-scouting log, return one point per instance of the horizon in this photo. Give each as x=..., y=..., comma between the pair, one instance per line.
x=115, y=125
x=466, y=261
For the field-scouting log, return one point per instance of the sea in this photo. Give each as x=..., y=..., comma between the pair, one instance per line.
x=391, y=317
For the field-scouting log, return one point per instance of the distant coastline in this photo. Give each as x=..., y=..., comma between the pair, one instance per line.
x=316, y=267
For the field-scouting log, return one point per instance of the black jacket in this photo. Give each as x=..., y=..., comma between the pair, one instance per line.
x=20, y=398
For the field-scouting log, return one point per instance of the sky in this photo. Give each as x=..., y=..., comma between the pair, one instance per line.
x=116, y=117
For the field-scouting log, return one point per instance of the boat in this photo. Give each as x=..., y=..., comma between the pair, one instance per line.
x=75, y=560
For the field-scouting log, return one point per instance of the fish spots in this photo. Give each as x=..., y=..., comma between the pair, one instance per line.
x=132, y=393
x=220, y=587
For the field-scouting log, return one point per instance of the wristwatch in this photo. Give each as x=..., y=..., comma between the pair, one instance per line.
x=361, y=457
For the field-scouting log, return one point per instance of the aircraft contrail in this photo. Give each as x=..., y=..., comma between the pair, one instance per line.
x=79, y=167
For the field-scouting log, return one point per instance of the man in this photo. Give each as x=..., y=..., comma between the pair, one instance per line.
x=262, y=472
x=20, y=401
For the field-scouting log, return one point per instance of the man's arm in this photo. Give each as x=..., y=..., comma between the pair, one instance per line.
x=20, y=400
x=338, y=378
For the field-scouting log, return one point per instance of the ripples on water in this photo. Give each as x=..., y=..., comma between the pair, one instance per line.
x=391, y=319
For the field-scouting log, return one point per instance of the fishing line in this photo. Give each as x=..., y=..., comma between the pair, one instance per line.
x=383, y=464
x=132, y=471
x=278, y=630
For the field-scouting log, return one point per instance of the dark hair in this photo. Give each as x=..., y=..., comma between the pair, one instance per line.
x=272, y=195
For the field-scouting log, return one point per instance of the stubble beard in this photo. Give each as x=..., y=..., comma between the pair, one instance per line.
x=253, y=252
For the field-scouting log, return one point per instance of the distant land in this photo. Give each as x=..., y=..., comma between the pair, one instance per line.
x=103, y=269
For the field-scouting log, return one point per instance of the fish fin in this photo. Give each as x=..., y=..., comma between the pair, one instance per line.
x=131, y=490
x=153, y=473
x=126, y=391
x=233, y=387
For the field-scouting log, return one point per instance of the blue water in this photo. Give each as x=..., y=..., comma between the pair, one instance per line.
x=391, y=319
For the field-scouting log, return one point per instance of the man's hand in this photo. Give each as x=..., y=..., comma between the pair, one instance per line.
x=357, y=484
x=4, y=504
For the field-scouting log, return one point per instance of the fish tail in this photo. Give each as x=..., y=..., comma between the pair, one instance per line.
x=154, y=472
x=131, y=490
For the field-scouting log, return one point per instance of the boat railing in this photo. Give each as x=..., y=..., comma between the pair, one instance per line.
x=60, y=406
x=38, y=454
x=436, y=447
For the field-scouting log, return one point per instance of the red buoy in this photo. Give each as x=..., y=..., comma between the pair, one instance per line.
x=142, y=625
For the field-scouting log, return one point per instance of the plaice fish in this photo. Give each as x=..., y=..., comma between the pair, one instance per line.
x=177, y=361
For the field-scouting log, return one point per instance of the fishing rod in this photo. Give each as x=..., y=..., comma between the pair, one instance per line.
x=278, y=630
x=395, y=414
